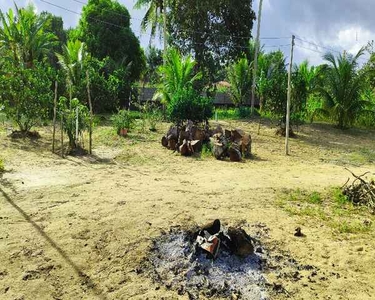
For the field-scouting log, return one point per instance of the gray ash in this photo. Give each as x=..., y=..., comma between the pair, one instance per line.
x=174, y=262
x=181, y=268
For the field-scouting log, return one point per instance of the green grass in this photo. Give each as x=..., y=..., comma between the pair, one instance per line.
x=353, y=227
x=233, y=113
x=362, y=156
x=329, y=207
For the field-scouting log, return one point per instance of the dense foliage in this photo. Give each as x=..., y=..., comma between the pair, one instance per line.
x=178, y=74
x=111, y=36
x=188, y=104
x=217, y=32
x=25, y=86
x=124, y=119
x=240, y=79
x=154, y=59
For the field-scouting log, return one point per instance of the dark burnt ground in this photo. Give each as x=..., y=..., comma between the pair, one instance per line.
x=173, y=263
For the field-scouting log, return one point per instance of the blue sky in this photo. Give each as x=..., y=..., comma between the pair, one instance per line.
x=334, y=24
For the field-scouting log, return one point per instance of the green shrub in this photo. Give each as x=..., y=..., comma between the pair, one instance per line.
x=25, y=94
x=339, y=197
x=69, y=111
x=124, y=119
x=187, y=104
x=315, y=198
x=154, y=116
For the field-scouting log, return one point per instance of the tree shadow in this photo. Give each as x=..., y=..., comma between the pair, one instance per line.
x=85, y=279
x=329, y=137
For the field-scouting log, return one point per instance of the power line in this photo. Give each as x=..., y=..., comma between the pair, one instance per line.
x=118, y=26
x=316, y=45
x=314, y=50
x=79, y=14
x=195, y=31
x=364, y=60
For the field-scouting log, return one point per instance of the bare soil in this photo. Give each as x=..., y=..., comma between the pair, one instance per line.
x=80, y=227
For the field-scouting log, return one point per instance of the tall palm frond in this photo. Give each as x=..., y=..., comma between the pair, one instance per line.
x=22, y=35
x=153, y=17
x=72, y=60
x=239, y=76
x=178, y=74
x=343, y=88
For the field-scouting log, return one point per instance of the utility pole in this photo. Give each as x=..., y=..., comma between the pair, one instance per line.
x=165, y=31
x=255, y=65
x=91, y=114
x=54, y=118
x=288, y=99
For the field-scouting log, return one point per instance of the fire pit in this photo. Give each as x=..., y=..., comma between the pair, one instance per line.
x=193, y=263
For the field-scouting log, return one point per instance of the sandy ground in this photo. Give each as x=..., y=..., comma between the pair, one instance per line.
x=78, y=228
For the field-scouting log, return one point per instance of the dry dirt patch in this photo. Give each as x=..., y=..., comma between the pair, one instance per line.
x=79, y=228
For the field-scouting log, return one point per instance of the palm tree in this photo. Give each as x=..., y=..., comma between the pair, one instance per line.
x=23, y=35
x=343, y=87
x=154, y=15
x=178, y=74
x=72, y=62
x=239, y=76
x=304, y=79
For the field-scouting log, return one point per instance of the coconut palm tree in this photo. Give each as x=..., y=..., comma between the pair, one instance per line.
x=154, y=15
x=342, y=88
x=178, y=74
x=22, y=35
x=239, y=76
x=72, y=62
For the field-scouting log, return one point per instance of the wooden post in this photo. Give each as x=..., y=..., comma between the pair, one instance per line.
x=54, y=118
x=255, y=64
x=91, y=116
x=77, y=124
x=62, y=134
x=288, y=99
x=165, y=31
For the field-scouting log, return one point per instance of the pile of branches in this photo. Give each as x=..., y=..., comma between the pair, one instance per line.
x=360, y=191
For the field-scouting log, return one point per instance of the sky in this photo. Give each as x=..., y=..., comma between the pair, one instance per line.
x=319, y=25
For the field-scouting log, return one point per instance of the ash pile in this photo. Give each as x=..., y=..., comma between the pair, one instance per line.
x=212, y=261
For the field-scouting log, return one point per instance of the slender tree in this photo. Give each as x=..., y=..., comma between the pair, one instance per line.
x=72, y=62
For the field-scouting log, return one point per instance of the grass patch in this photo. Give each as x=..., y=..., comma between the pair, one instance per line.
x=329, y=207
x=353, y=227
x=361, y=157
x=299, y=195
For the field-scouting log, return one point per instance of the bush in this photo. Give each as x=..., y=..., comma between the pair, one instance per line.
x=25, y=94
x=69, y=113
x=154, y=116
x=124, y=119
x=187, y=104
